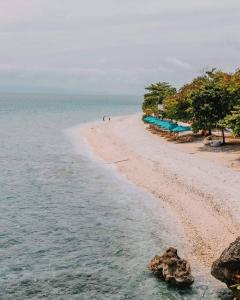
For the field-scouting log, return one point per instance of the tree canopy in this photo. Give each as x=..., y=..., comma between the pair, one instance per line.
x=207, y=102
x=232, y=121
x=156, y=94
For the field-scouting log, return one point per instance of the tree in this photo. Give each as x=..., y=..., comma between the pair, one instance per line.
x=156, y=94
x=178, y=106
x=210, y=105
x=232, y=121
x=209, y=101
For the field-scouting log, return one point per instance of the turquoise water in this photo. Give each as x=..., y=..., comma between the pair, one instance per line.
x=70, y=228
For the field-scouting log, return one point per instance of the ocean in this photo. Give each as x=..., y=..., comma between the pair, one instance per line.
x=70, y=227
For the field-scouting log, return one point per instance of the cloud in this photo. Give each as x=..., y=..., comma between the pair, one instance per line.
x=179, y=63
x=113, y=44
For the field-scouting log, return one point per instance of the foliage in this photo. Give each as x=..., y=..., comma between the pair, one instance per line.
x=209, y=106
x=209, y=101
x=156, y=94
x=232, y=121
x=215, y=100
x=178, y=106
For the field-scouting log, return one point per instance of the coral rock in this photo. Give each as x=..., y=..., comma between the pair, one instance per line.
x=171, y=268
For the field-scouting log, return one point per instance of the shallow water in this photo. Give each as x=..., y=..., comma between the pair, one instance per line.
x=70, y=227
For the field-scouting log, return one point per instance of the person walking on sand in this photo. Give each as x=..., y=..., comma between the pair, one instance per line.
x=103, y=118
x=109, y=119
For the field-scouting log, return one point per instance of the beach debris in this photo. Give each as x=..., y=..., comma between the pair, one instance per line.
x=227, y=267
x=171, y=268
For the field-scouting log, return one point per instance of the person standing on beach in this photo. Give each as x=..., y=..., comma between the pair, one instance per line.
x=109, y=119
x=103, y=118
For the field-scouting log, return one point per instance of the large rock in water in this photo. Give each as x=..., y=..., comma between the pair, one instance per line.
x=227, y=267
x=171, y=268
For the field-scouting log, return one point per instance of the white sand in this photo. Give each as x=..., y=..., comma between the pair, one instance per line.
x=203, y=193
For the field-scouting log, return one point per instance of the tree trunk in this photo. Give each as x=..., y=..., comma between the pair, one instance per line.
x=209, y=131
x=223, y=136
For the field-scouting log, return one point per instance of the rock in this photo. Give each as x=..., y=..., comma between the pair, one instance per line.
x=171, y=268
x=212, y=141
x=207, y=141
x=215, y=143
x=227, y=267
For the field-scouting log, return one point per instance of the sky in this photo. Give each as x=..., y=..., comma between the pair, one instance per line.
x=114, y=46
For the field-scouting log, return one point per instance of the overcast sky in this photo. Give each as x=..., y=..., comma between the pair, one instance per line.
x=114, y=46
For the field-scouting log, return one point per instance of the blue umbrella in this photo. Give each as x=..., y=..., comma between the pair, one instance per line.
x=173, y=127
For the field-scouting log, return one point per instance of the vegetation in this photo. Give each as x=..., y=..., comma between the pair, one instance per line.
x=208, y=102
x=232, y=121
x=209, y=107
x=156, y=94
x=179, y=106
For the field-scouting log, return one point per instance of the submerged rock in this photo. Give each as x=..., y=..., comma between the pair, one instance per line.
x=227, y=267
x=171, y=268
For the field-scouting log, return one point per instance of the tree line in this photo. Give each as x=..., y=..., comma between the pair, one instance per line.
x=210, y=101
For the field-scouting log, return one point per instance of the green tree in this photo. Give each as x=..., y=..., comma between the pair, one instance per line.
x=232, y=121
x=210, y=105
x=178, y=106
x=156, y=94
x=207, y=101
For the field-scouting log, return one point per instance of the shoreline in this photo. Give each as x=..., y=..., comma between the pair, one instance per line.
x=202, y=193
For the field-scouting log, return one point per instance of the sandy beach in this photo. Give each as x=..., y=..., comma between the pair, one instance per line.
x=199, y=187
